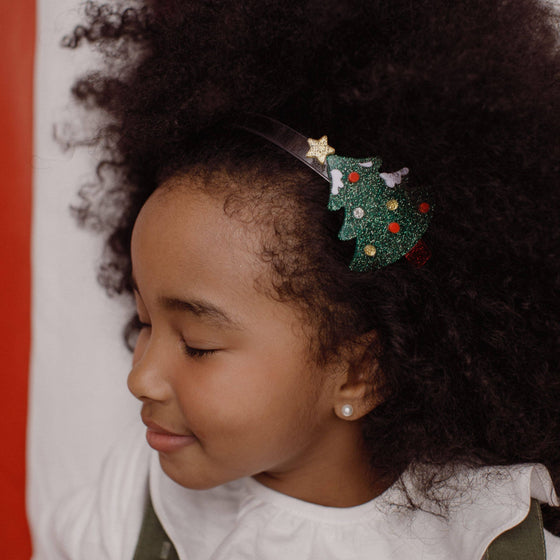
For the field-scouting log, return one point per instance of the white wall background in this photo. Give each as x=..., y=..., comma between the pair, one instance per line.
x=79, y=402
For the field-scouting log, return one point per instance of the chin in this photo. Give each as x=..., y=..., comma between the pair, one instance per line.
x=190, y=478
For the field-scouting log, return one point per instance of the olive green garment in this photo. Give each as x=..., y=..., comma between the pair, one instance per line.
x=523, y=542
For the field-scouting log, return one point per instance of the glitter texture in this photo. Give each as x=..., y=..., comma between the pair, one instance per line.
x=319, y=149
x=382, y=204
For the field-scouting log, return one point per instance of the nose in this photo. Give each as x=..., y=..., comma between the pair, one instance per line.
x=148, y=379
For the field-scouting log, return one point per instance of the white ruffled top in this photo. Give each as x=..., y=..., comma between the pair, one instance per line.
x=246, y=520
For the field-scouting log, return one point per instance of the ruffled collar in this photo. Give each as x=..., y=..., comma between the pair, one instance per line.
x=244, y=519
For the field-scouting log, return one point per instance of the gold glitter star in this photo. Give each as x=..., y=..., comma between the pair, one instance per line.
x=319, y=149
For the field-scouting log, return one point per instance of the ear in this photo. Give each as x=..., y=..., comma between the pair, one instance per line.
x=359, y=387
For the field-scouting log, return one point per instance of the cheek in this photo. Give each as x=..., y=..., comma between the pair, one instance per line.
x=242, y=396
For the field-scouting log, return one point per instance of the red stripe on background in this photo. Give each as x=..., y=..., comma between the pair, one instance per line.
x=17, y=42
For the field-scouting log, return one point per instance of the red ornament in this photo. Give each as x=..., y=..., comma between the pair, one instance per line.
x=354, y=177
x=424, y=208
x=419, y=255
x=394, y=227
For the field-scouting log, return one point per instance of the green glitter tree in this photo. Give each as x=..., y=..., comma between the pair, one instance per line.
x=385, y=218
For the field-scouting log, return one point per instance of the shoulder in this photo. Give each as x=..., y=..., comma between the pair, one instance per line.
x=490, y=501
x=102, y=521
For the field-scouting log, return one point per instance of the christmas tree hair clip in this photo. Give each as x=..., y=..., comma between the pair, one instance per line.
x=386, y=218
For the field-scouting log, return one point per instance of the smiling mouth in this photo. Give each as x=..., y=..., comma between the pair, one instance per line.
x=165, y=441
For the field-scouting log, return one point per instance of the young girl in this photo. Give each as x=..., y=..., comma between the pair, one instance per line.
x=339, y=221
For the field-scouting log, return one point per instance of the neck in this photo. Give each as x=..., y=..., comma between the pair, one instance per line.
x=337, y=474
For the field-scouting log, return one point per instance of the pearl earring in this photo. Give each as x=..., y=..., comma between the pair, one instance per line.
x=347, y=410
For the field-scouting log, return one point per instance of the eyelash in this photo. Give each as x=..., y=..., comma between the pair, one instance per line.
x=139, y=324
x=196, y=352
x=189, y=350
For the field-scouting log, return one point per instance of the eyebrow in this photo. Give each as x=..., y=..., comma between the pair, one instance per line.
x=199, y=308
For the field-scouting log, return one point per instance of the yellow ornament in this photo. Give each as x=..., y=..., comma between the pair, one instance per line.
x=370, y=250
x=392, y=204
x=319, y=149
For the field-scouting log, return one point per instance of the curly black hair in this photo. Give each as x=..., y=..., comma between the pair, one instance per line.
x=463, y=93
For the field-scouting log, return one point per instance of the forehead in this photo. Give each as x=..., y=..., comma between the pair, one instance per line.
x=183, y=240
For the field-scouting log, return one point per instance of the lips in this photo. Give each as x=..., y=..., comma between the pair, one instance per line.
x=165, y=441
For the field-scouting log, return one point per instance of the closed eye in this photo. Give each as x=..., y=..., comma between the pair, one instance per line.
x=197, y=352
x=139, y=324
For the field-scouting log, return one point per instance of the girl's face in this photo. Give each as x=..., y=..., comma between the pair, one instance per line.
x=223, y=370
